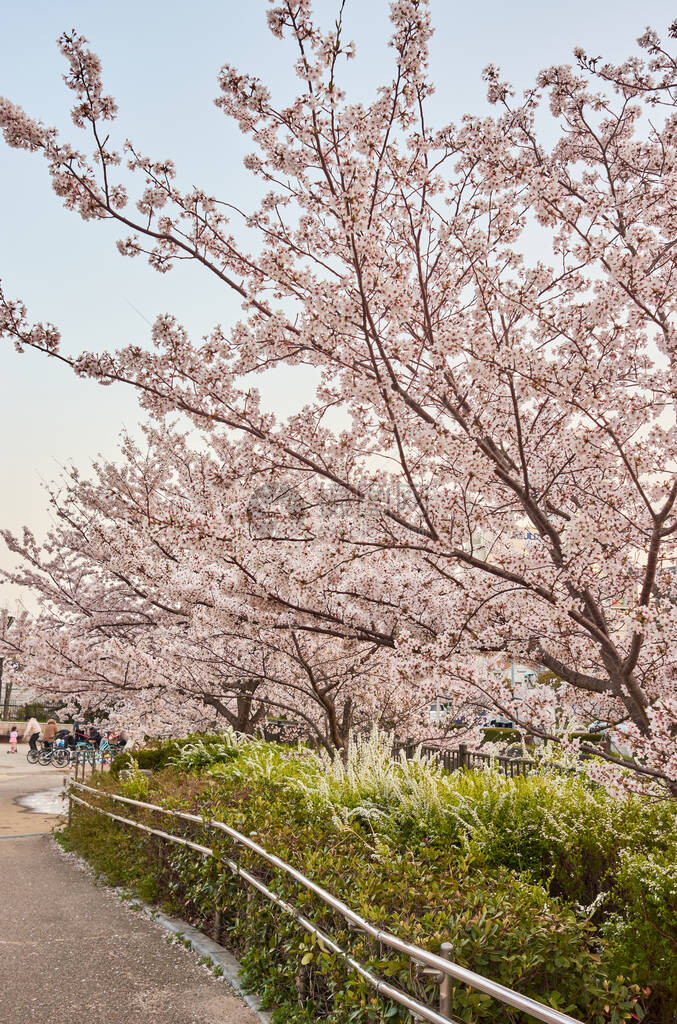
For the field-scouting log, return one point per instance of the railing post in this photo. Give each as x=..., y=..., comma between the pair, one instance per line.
x=463, y=759
x=218, y=924
x=446, y=950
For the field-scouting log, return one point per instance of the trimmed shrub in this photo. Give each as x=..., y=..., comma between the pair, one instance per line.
x=498, y=734
x=500, y=867
x=152, y=759
x=189, y=753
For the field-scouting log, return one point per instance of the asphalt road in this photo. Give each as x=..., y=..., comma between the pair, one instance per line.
x=69, y=950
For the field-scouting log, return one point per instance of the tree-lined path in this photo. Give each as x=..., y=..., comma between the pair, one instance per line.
x=69, y=950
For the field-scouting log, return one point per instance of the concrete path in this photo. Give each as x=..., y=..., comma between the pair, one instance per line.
x=18, y=779
x=70, y=951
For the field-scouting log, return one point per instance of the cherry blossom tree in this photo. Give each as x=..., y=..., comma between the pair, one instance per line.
x=142, y=606
x=469, y=391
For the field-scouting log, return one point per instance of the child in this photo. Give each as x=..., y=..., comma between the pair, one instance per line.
x=13, y=737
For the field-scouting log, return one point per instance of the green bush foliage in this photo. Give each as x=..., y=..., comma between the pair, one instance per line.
x=503, y=734
x=149, y=758
x=194, y=751
x=498, y=734
x=540, y=883
x=589, y=737
x=36, y=710
x=643, y=930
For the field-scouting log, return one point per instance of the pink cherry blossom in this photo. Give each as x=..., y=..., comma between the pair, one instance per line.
x=500, y=486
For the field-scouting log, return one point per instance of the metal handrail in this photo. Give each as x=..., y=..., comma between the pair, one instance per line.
x=382, y=987
x=420, y=956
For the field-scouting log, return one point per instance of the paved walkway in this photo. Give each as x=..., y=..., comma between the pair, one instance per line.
x=18, y=779
x=70, y=951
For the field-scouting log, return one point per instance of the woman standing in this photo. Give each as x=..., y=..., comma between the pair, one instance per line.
x=49, y=734
x=32, y=732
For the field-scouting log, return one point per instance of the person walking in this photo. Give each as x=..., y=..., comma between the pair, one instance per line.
x=32, y=733
x=13, y=737
x=49, y=734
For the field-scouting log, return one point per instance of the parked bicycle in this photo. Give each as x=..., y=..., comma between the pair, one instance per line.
x=61, y=753
x=33, y=753
x=48, y=753
x=56, y=754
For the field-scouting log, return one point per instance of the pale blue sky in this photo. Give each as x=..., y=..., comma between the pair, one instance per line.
x=160, y=62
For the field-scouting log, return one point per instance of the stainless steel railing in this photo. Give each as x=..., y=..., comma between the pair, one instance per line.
x=420, y=957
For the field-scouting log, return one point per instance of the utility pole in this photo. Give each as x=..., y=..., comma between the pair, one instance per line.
x=8, y=686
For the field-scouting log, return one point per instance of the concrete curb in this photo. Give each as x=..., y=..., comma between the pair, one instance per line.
x=206, y=947
x=27, y=835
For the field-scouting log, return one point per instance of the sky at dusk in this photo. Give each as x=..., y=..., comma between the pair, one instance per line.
x=160, y=62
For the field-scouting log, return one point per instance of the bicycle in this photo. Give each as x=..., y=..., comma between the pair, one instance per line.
x=60, y=757
x=45, y=755
x=52, y=755
x=40, y=754
x=33, y=755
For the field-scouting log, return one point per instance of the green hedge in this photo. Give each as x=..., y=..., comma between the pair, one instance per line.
x=148, y=758
x=498, y=734
x=157, y=756
x=503, y=734
x=36, y=710
x=490, y=894
x=588, y=737
x=500, y=925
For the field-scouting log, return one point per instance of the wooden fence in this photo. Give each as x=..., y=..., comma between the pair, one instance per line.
x=453, y=760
